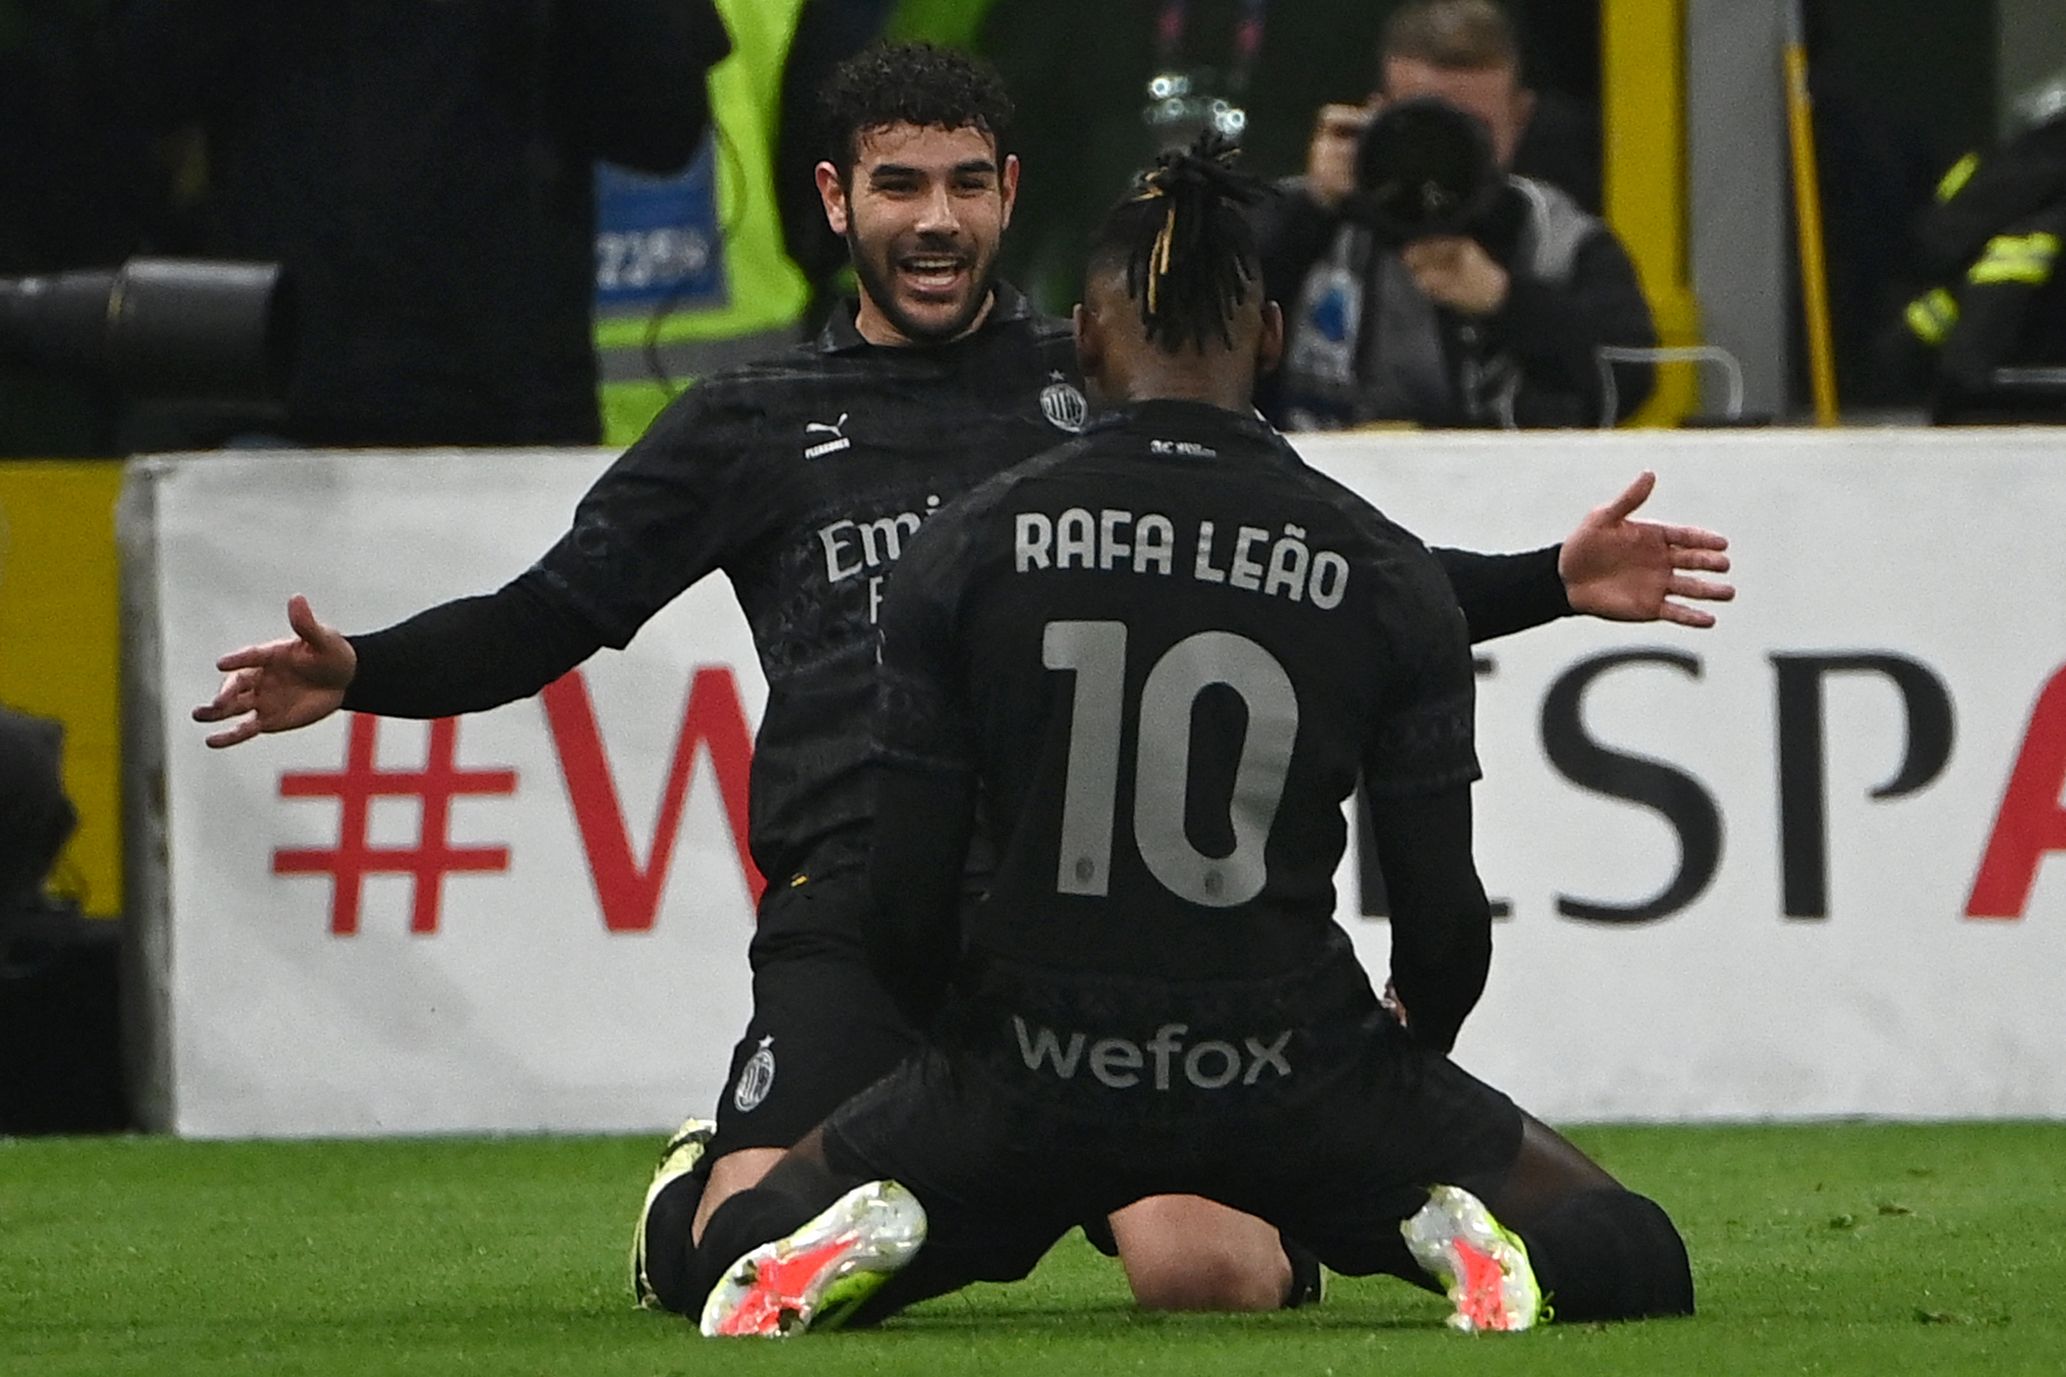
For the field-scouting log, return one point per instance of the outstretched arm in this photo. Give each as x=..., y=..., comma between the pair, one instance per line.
x=1610, y=566
x=461, y=656
x=665, y=514
x=1502, y=594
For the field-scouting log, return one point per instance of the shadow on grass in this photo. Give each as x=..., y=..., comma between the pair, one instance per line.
x=1104, y=1321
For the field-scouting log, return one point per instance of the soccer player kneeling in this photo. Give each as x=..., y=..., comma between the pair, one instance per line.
x=1160, y=657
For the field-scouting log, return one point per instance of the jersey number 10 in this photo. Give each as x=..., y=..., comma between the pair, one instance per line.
x=1096, y=651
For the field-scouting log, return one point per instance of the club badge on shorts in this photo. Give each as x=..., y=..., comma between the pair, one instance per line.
x=756, y=1078
x=1063, y=403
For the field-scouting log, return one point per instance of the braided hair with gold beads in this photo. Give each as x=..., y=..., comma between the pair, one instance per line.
x=1185, y=244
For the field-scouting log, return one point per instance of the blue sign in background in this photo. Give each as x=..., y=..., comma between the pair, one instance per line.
x=658, y=238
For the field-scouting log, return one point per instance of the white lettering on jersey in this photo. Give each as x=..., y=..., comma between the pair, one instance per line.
x=1118, y=1063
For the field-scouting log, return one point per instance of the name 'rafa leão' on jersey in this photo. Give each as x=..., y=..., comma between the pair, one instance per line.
x=1240, y=556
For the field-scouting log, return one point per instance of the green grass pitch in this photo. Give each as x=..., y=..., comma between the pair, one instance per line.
x=1840, y=1248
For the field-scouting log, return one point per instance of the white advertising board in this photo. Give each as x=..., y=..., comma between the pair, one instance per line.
x=1792, y=866
x=384, y=926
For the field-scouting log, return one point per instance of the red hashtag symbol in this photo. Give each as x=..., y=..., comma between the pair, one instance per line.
x=355, y=787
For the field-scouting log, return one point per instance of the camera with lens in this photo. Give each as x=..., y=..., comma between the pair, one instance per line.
x=156, y=327
x=1423, y=168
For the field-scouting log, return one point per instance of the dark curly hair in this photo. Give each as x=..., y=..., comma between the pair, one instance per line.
x=1184, y=243
x=909, y=83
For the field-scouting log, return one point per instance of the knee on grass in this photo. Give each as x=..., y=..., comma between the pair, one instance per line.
x=1611, y=1255
x=1189, y=1274
x=667, y=1255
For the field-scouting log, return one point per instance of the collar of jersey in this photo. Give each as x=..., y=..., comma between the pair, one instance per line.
x=1187, y=420
x=841, y=335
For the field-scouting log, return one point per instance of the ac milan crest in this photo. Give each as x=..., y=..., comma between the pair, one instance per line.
x=1063, y=403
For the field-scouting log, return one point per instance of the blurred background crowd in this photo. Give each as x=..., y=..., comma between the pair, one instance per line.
x=517, y=222
x=404, y=223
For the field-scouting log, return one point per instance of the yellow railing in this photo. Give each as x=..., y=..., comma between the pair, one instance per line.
x=1643, y=95
x=60, y=644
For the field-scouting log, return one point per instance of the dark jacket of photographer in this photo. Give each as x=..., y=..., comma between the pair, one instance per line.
x=1365, y=345
x=423, y=171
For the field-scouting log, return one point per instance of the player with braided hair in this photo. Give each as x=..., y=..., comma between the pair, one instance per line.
x=1153, y=998
x=1181, y=309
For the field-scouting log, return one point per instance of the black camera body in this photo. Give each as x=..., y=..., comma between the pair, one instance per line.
x=1423, y=168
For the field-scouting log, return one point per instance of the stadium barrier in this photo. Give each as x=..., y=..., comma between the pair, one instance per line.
x=1790, y=867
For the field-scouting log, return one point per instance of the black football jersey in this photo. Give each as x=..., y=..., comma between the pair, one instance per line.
x=803, y=478
x=1167, y=650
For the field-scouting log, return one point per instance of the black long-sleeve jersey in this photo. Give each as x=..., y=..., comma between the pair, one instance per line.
x=1164, y=654
x=802, y=478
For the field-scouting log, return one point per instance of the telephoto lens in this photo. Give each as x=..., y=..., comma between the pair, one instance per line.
x=156, y=327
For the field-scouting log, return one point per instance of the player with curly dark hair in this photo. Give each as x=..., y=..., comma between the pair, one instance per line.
x=916, y=84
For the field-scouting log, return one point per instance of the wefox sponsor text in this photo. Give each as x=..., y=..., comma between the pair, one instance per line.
x=1122, y=1063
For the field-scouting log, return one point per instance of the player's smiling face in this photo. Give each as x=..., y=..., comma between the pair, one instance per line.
x=923, y=212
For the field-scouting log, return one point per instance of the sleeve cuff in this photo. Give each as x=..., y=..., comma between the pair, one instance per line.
x=1542, y=594
x=370, y=673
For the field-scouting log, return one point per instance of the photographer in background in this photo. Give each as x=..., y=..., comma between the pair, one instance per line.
x=1422, y=281
x=421, y=169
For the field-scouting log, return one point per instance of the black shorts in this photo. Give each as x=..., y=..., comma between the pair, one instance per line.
x=1002, y=1176
x=822, y=1028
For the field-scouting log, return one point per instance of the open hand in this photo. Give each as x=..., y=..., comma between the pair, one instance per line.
x=1630, y=571
x=281, y=685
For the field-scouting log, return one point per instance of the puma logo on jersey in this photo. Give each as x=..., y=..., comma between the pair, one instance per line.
x=836, y=429
x=1122, y=1064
